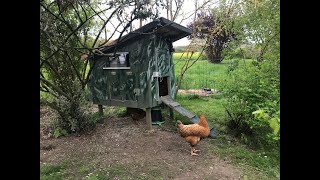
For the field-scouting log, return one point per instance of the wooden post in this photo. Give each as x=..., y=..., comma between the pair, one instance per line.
x=148, y=118
x=171, y=113
x=100, y=110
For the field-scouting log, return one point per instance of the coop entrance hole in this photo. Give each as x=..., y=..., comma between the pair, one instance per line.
x=163, y=86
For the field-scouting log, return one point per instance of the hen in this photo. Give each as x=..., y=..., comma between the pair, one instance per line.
x=193, y=133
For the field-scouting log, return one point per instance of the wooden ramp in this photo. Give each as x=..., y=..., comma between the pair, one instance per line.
x=184, y=112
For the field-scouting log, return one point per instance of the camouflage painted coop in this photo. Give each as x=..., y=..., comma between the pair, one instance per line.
x=138, y=70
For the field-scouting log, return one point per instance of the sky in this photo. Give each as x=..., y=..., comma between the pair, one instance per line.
x=187, y=7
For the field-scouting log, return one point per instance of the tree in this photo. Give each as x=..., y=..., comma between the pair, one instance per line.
x=262, y=26
x=257, y=25
x=69, y=33
x=253, y=89
x=214, y=29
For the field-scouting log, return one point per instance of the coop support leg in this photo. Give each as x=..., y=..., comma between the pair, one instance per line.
x=171, y=114
x=148, y=118
x=100, y=110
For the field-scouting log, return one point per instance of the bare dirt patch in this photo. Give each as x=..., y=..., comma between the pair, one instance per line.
x=122, y=142
x=200, y=92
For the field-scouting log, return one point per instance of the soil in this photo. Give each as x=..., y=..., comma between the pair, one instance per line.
x=124, y=141
x=200, y=92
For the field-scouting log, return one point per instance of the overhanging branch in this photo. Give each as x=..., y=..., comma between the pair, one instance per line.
x=48, y=83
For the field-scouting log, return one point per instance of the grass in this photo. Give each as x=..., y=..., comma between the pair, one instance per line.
x=53, y=171
x=87, y=171
x=202, y=73
x=255, y=164
x=212, y=107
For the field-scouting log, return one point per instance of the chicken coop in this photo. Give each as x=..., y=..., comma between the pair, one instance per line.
x=137, y=70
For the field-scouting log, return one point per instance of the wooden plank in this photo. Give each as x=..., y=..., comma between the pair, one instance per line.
x=177, y=107
x=174, y=104
x=184, y=112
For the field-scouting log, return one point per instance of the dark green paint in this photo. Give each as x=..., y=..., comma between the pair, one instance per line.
x=135, y=87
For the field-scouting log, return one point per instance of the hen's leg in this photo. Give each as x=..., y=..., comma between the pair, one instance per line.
x=192, y=152
x=195, y=150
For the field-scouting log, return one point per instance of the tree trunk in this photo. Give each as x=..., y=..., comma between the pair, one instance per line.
x=213, y=55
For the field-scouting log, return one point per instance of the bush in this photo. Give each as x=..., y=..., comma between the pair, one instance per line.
x=253, y=107
x=71, y=116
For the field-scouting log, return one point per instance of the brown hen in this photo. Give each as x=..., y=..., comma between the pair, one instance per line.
x=193, y=133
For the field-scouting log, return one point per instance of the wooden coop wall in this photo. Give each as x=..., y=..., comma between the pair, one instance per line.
x=135, y=86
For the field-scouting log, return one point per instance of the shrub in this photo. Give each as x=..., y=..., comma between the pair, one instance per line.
x=69, y=117
x=72, y=116
x=253, y=106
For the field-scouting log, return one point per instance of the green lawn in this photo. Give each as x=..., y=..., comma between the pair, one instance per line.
x=202, y=73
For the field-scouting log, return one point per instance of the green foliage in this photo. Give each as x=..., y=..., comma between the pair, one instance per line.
x=59, y=132
x=233, y=65
x=52, y=172
x=70, y=117
x=261, y=22
x=257, y=26
x=251, y=87
x=62, y=75
x=243, y=52
x=273, y=121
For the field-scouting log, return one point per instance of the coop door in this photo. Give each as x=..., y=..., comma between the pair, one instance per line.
x=122, y=85
x=164, y=85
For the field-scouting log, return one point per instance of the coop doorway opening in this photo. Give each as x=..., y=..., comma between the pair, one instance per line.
x=163, y=86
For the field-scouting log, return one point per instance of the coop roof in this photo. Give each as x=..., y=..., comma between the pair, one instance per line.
x=162, y=27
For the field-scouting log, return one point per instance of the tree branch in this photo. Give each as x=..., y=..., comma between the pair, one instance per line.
x=75, y=69
x=265, y=47
x=72, y=33
x=94, y=43
x=48, y=83
x=194, y=11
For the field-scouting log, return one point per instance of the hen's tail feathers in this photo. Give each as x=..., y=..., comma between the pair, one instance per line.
x=203, y=122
